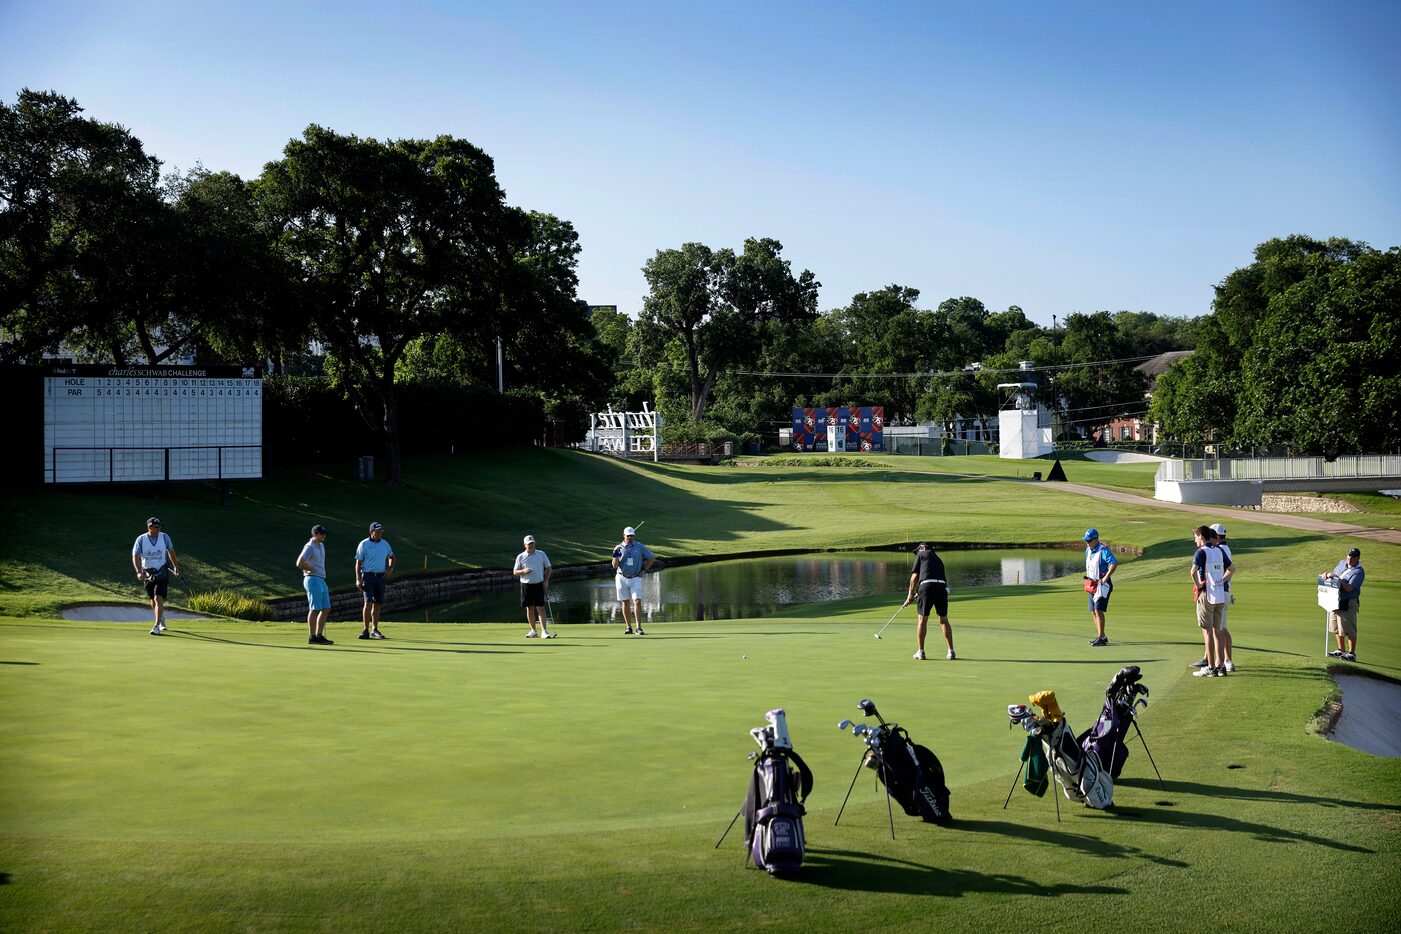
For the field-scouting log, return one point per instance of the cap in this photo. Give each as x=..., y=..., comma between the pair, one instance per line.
x=375, y=526
x=629, y=531
x=318, y=529
x=1091, y=534
x=1354, y=552
x=1219, y=529
x=153, y=521
x=529, y=540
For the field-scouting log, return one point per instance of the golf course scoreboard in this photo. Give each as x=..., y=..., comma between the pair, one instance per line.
x=111, y=424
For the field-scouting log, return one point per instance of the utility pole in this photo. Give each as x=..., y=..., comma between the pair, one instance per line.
x=500, y=370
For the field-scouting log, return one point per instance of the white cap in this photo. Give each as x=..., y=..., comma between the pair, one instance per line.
x=1219, y=529
x=530, y=539
x=629, y=531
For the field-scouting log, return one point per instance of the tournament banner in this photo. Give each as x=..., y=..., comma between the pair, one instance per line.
x=862, y=427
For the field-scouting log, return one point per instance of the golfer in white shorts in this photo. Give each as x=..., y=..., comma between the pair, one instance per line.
x=631, y=560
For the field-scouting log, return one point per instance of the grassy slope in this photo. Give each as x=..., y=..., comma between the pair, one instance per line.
x=456, y=776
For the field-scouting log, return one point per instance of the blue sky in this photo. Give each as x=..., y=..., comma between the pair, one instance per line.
x=1060, y=156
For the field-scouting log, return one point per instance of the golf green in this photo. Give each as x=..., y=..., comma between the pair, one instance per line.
x=228, y=776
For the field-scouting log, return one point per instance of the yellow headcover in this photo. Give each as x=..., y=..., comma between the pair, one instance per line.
x=1046, y=700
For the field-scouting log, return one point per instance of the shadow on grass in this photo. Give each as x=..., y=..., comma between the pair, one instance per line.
x=1084, y=843
x=868, y=872
x=19, y=663
x=342, y=648
x=1254, y=794
x=1197, y=821
x=1060, y=661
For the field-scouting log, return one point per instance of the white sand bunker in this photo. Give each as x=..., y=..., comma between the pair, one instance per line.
x=1371, y=716
x=121, y=613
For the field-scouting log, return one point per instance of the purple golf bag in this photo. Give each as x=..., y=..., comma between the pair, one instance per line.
x=773, y=809
x=1106, y=737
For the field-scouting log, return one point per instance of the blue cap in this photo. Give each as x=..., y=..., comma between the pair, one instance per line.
x=1091, y=534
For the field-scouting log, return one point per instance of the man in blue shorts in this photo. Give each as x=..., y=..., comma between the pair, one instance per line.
x=929, y=586
x=154, y=560
x=631, y=560
x=312, y=562
x=374, y=562
x=1099, y=567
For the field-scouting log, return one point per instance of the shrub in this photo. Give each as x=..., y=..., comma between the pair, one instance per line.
x=836, y=460
x=229, y=603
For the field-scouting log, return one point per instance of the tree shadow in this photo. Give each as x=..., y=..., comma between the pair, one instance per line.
x=1253, y=794
x=1084, y=843
x=342, y=647
x=868, y=872
x=1199, y=821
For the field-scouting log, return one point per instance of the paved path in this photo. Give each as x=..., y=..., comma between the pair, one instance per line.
x=1287, y=520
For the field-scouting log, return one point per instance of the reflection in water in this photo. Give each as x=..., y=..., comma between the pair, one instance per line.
x=755, y=587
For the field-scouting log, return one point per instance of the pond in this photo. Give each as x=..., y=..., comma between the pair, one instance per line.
x=754, y=587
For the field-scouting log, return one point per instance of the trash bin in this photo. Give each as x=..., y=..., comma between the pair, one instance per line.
x=752, y=447
x=365, y=468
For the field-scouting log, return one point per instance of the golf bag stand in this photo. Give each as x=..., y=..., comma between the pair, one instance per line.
x=1150, y=754
x=889, y=811
x=1053, y=796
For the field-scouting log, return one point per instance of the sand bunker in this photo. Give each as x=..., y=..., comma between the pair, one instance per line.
x=122, y=613
x=1371, y=717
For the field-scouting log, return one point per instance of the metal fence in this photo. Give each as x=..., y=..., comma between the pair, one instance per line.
x=1346, y=467
x=148, y=464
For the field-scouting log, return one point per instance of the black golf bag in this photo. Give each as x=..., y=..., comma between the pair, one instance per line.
x=913, y=774
x=773, y=809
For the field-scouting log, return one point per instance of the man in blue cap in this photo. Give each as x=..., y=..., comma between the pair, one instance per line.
x=1099, y=567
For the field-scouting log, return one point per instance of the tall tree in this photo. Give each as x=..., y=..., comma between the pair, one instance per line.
x=394, y=240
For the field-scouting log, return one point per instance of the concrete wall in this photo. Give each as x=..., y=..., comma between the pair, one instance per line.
x=1208, y=492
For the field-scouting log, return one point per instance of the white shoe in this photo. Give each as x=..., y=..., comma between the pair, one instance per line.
x=376, y=634
x=547, y=635
x=1206, y=672
x=162, y=626
x=919, y=656
x=1230, y=666
x=532, y=634
x=155, y=631
x=951, y=655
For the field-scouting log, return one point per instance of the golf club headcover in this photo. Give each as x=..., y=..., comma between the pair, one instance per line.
x=1050, y=709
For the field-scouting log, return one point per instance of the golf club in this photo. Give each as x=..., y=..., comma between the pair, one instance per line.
x=891, y=620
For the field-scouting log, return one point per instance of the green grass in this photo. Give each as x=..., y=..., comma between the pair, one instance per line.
x=227, y=776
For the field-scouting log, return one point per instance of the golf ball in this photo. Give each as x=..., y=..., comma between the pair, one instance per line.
x=744, y=656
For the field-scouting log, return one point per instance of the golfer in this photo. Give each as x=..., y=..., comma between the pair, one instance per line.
x=1342, y=622
x=631, y=560
x=374, y=562
x=312, y=562
x=154, y=560
x=1211, y=570
x=533, y=569
x=1099, y=567
x=930, y=589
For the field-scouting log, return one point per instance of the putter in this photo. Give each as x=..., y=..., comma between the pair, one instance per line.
x=891, y=620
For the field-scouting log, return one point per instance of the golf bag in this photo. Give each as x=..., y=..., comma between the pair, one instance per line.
x=773, y=810
x=1106, y=738
x=911, y=773
x=1077, y=769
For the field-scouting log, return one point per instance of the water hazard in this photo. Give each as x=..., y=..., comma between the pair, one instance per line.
x=755, y=587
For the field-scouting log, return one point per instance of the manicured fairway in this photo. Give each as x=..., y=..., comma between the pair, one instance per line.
x=227, y=776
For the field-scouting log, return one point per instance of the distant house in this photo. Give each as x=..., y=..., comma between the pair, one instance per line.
x=1138, y=428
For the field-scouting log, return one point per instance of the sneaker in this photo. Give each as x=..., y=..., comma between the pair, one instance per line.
x=951, y=655
x=1230, y=667
x=324, y=641
x=547, y=635
x=1335, y=654
x=532, y=634
x=364, y=635
x=628, y=631
x=155, y=630
x=1099, y=640
x=1204, y=672
x=1199, y=663
x=1219, y=672
x=376, y=634
x=640, y=632
x=1349, y=657
x=162, y=626
x=919, y=655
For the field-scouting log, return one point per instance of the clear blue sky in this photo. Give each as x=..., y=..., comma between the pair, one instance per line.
x=1060, y=156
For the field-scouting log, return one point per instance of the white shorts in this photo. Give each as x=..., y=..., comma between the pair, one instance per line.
x=629, y=588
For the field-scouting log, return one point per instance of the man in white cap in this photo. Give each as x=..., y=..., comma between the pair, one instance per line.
x=1223, y=635
x=533, y=570
x=631, y=560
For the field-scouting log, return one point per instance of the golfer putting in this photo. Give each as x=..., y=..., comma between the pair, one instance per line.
x=929, y=589
x=154, y=560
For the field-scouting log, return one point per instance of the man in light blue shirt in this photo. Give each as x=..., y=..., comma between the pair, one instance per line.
x=1342, y=622
x=631, y=560
x=1099, y=567
x=374, y=562
x=312, y=563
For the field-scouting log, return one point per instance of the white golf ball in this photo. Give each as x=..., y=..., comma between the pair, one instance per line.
x=744, y=656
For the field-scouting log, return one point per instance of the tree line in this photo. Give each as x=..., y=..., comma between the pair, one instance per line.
x=377, y=272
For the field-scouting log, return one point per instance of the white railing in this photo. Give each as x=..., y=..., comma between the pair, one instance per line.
x=1346, y=467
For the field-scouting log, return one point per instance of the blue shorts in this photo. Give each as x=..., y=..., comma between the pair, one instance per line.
x=1100, y=604
x=373, y=587
x=318, y=597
